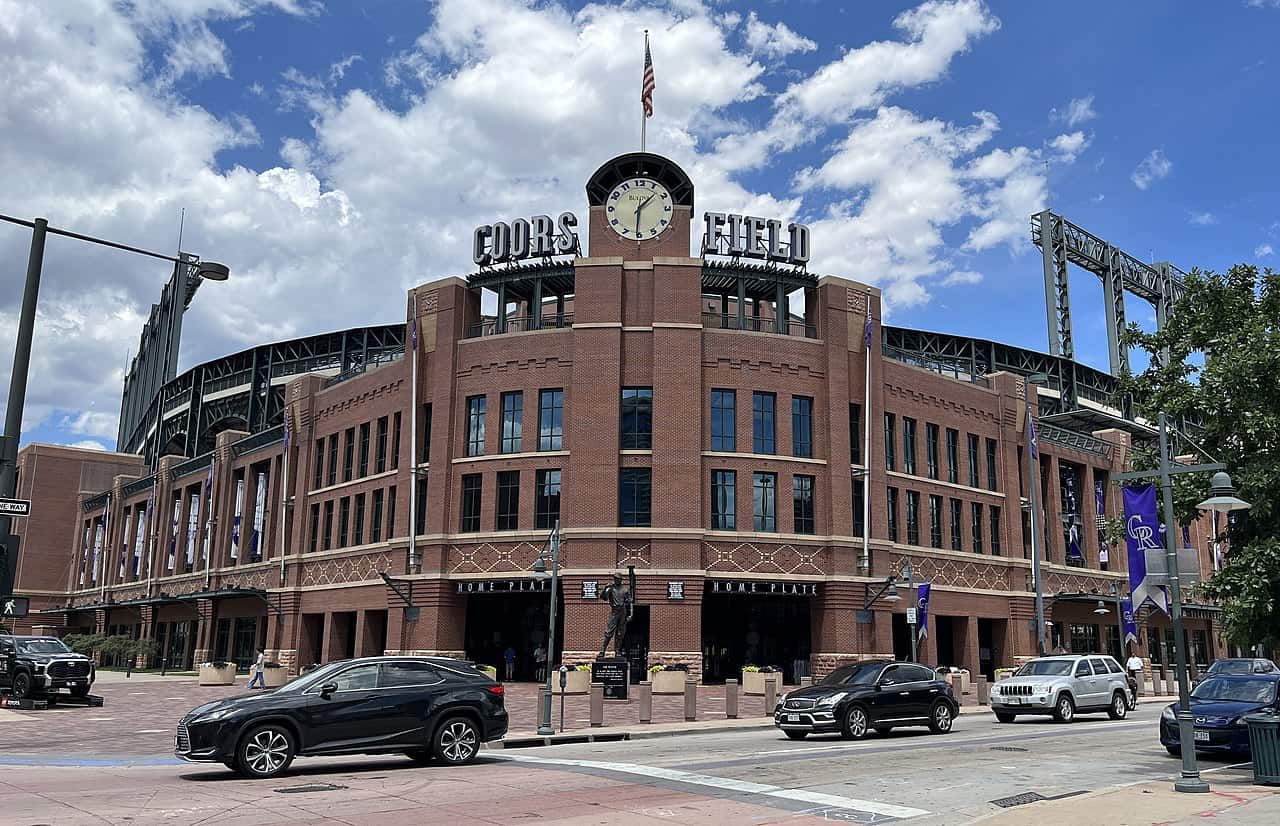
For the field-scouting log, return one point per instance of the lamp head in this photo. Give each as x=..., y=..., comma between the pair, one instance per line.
x=213, y=271
x=1101, y=609
x=539, y=565
x=892, y=594
x=1222, y=496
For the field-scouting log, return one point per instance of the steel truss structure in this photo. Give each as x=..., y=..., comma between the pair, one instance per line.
x=245, y=390
x=1062, y=242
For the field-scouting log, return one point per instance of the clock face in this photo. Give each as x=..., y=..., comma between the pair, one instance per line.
x=638, y=209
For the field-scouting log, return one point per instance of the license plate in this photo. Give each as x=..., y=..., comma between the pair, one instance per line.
x=1202, y=736
x=1013, y=701
x=793, y=718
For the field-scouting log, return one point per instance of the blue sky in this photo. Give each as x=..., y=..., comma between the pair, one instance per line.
x=336, y=153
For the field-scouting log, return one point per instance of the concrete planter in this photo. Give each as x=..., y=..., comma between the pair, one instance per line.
x=668, y=682
x=576, y=682
x=753, y=681
x=209, y=675
x=275, y=677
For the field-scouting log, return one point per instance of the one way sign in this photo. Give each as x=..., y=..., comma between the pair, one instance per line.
x=14, y=606
x=15, y=507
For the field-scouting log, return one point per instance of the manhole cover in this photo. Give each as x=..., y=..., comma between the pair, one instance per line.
x=313, y=787
x=1007, y=748
x=1019, y=800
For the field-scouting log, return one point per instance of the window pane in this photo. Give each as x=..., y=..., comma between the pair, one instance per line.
x=375, y=518
x=891, y=504
x=855, y=434
x=360, y=678
x=548, y=498
x=859, y=505
x=953, y=458
x=637, y=418
x=909, y=445
x=380, y=450
x=724, y=405
x=931, y=449
x=995, y=530
x=935, y=521
x=332, y=478
x=765, y=501
x=328, y=525
x=357, y=536
x=913, y=517
x=890, y=436
x=973, y=460
x=508, y=513
x=977, y=527
x=395, y=440
x=408, y=674
x=724, y=500
x=551, y=420
x=420, y=507
x=957, y=534
x=364, y=449
x=512, y=421
x=801, y=426
x=344, y=521
x=470, y=516
x=991, y=464
x=348, y=453
x=475, y=425
x=634, y=497
x=762, y=422
x=802, y=499
x=319, y=477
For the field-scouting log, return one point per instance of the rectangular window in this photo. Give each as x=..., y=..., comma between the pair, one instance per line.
x=977, y=527
x=957, y=529
x=953, y=457
x=724, y=430
x=973, y=460
x=426, y=433
x=344, y=521
x=315, y=528
x=332, y=478
x=635, y=496
x=319, y=477
x=357, y=529
x=859, y=503
x=935, y=521
x=475, y=426
x=512, y=422
x=380, y=447
x=348, y=453
x=328, y=525
x=855, y=434
x=891, y=503
x=547, y=499
x=991, y=464
x=765, y=501
x=470, y=521
x=931, y=449
x=391, y=511
x=995, y=530
x=551, y=420
x=890, y=436
x=763, y=433
x=724, y=500
x=913, y=517
x=801, y=426
x=375, y=517
x=507, y=517
x=637, y=418
x=420, y=508
x=395, y=440
x=802, y=503
x=364, y=450
x=908, y=445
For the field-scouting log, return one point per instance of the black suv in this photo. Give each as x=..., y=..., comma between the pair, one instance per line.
x=869, y=695
x=40, y=665
x=424, y=707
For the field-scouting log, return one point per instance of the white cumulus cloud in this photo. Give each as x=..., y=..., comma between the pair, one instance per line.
x=1153, y=168
x=774, y=41
x=1076, y=112
x=1201, y=219
x=1262, y=251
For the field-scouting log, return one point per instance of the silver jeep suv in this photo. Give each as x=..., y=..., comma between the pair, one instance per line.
x=1063, y=686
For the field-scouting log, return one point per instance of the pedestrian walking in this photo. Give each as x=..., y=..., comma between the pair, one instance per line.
x=1134, y=666
x=260, y=671
x=540, y=662
x=509, y=657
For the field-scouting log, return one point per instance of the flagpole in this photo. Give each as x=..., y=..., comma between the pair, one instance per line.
x=414, y=564
x=644, y=118
x=106, y=543
x=866, y=448
x=1033, y=490
x=284, y=495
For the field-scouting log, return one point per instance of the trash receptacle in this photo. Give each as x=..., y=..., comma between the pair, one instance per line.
x=1264, y=747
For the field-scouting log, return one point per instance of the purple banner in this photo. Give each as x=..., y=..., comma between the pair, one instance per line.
x=922, y=609
x=1130, y=620
x=1141, y=529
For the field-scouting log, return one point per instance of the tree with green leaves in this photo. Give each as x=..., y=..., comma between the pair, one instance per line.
x=1231, y=322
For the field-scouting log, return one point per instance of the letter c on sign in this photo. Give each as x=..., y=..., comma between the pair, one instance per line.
x=479, y=245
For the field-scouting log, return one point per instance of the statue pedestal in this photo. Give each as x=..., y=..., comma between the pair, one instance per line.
x=612, y=672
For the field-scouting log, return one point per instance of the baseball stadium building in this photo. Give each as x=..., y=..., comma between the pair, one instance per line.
x=747, y=436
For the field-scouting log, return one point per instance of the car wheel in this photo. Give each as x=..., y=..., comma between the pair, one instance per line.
x=265, y=751
x=855, y=723
x=457, y=741
x=883, y=730
x=1065, y=710
x=940, y=718
x=797, y=735
x=1119, y=707
x=1176, y=751
x=22, y=685
x=419, y=755
x=1005, y=718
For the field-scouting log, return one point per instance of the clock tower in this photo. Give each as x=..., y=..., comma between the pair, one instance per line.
x=641, y=207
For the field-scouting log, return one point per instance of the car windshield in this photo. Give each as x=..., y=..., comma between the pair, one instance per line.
x=1046, y=668
x=42, y=647
x=857, y=674
x=1232, y=667
x=1241, y=691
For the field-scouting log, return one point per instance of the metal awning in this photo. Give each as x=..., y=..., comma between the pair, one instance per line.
x=557, y=278
x=760, y=281
x=1087, y=420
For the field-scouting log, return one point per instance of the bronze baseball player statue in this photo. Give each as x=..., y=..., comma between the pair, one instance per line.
x=621, y=604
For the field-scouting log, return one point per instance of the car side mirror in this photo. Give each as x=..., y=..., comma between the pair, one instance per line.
x=327, y=690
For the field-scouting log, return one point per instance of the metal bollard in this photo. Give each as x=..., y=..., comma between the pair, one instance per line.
x=597, y=705
x=770, y=693
x=731, y=699
x=646, y=701
x=690, y=700
x=984, y=690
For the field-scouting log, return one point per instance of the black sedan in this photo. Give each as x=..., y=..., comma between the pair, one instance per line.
x=871, y=695
x=1218, y=708
x=1242, y=665
x=424, y=707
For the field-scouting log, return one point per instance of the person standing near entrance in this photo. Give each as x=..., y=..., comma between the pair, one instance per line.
x=260, y=668
x=509, y=657
x=1134, y=666
x=540, y=662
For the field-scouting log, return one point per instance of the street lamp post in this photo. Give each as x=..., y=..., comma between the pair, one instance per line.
x=913, y=617
x=22, y=348
x=1222, y=498
x=540, y=568
x=1033, y=494
x=1102, y=610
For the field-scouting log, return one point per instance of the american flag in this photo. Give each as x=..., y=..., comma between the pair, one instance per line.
x=646, y=82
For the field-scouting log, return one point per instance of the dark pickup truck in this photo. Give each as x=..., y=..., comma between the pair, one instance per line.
x=30, y=666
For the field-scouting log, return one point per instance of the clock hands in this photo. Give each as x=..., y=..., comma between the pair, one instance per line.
x=640, y=207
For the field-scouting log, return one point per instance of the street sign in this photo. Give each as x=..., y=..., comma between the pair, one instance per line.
x=911, y=616
x=14, y=607
x=15, y=507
